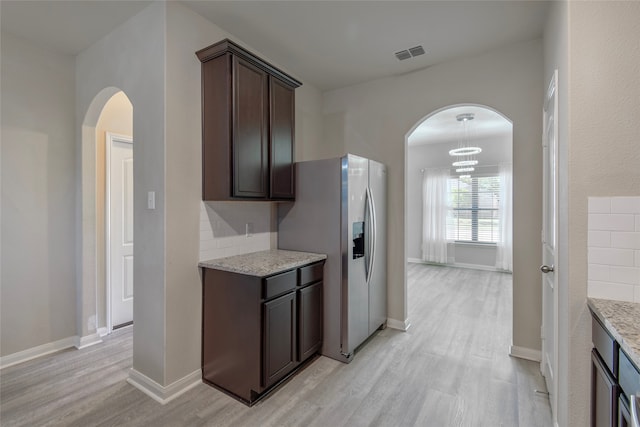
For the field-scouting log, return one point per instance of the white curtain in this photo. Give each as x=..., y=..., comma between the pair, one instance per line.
x=434, y=209
x=504, y=255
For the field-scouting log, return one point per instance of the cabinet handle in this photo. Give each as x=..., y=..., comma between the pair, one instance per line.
x=635, y=421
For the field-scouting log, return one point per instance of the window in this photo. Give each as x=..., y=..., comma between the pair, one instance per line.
x=473, y=214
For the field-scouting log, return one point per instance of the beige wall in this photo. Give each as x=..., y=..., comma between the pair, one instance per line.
x=37, y=283
x=603, y=157
x=188, y=32
x=595, y=47
x=132, y=59
x=372, y=119
x=116, y=117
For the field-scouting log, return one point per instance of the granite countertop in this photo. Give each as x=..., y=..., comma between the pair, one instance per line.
x=622, y=320
x=264, y=263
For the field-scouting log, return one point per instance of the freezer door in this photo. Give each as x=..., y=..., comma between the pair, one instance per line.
x=378, y=273
x=355, y=293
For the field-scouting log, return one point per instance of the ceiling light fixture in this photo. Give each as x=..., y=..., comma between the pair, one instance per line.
x=465, y=150
x=465, y=163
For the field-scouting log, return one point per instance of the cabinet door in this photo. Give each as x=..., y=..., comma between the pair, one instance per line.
x=250, y=130
x=604, y=394
x=624, y=416
x=279, y=338
x=310, y=320
x=282, y=121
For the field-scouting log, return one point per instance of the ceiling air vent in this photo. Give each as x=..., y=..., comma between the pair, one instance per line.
x=403, y=54
x=417, y=50
x=410, y=53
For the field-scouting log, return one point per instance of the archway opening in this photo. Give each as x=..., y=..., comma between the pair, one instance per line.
x=459, y=208
x=107, y=212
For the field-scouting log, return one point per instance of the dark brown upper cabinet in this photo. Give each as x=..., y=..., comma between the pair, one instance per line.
x=248, y=119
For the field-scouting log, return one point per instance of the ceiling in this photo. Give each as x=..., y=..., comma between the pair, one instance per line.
x=443, y=126
x=330, y=44
x=67, y=26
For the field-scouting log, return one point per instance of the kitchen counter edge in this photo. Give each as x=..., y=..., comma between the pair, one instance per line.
x=622, y=320
x=263, y=263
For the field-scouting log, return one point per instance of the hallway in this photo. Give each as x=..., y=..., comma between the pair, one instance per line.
x=451, y=368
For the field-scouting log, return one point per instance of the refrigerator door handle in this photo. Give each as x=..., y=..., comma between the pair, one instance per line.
x=372, y=234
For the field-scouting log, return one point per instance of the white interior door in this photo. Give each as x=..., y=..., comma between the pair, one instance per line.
x=549, y=244
x=120, y=229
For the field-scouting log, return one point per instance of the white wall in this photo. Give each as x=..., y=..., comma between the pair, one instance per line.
x=594, y=46
x=116, y=117
x=372, y=119
x=37, y=284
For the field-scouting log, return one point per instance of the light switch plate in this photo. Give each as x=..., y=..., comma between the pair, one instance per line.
x=151, y=200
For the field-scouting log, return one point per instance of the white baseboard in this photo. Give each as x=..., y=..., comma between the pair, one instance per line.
x=398, y=324
x=38, y=351
x=415, y=260
x=459, y=265
x=87, y=341
x=525, y=353
x=103, y=331
x=162, y=394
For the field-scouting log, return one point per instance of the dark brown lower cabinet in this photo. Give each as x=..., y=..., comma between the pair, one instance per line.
x=256, y=331
x=279, y=338
x=604, y=394
x=310, y=320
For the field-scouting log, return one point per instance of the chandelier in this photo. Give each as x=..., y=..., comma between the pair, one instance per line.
x=465, y=152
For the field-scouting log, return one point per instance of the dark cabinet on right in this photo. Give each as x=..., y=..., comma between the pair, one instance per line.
x=614, y=379
x=248, y=126
x=604, y=373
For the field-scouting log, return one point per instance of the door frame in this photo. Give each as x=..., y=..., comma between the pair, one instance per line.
x=551, y=95
x=110, y=138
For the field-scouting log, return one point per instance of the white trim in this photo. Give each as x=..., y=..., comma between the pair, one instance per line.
x=460, y=265
x=477, y=267
x=87, y=341
x=38, y=351
x=398, y=324
x=162, y=394
x=525, y=353
x=103, y=331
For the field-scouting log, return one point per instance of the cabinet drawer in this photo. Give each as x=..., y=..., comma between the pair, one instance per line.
x=629, y=377
x=607, y=347
x=311, y=273
x=279, y=284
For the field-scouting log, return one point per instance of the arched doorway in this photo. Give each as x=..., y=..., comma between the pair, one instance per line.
x=469, y=236
x=108, y=123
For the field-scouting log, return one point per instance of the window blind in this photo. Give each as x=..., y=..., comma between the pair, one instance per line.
x=474, y=214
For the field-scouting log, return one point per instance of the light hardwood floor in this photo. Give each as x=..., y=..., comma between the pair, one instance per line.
x=450, y=369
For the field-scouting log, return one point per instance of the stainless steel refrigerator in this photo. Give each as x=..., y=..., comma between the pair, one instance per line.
x=340, y=210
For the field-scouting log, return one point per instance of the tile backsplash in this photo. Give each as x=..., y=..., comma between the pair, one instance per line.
x=614, y=248
x=223, y=228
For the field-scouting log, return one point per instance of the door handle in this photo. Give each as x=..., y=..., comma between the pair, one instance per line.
x=635, y=419
x=370, y=248
x=546, y=269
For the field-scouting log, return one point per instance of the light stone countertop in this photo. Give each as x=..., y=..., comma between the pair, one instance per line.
x=264, y=263
x=622, y=320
